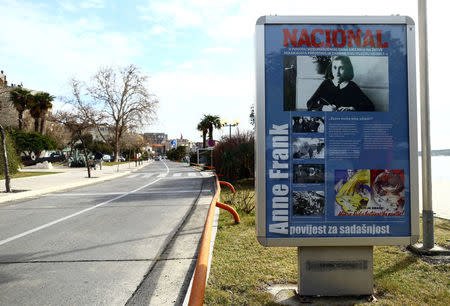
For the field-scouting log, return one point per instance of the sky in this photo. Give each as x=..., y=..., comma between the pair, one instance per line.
x=199, y=54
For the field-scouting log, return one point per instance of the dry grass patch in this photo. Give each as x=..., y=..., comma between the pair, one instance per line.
x=242, y=269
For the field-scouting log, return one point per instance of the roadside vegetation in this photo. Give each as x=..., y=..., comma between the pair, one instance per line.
x=242, y=269
x=27, y=174
x=12, y=157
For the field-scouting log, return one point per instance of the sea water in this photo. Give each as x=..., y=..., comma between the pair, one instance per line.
x=440, y=173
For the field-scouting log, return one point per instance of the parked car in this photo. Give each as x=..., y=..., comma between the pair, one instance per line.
x=157, y=158
x=57, y=155
x=107, y=158
x=120, y=158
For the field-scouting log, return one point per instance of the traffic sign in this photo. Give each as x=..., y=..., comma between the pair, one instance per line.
x=211, y=143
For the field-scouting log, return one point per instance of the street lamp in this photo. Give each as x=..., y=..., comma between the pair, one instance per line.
x=226, y=123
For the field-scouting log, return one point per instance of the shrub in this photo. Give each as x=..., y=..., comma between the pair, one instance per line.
x=234, y=157
x=177, y=153
x=243, y=200
x=13, y=159
x=28, y=142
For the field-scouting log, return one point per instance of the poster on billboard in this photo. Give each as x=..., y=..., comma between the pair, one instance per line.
x=336, y=145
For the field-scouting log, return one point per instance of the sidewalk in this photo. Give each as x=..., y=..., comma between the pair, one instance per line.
x=67, y=178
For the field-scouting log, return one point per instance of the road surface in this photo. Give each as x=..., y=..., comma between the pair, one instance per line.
x=94, y=245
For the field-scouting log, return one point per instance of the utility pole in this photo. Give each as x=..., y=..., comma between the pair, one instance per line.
x=427, y=210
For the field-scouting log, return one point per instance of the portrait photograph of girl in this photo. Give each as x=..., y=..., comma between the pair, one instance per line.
x=336, y=83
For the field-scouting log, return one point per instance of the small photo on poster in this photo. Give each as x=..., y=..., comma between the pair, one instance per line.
x=309, y=174
x=365, y=192
x=308, y=124
x=308, y=148
x=388, y=189
x=308, y=203
x=336, y=83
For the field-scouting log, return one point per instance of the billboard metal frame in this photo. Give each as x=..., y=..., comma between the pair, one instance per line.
x=260, y=146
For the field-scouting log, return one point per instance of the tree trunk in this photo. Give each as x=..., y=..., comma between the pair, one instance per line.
x=20, y=120
x=204, y=138
x=116, y=146
x=41, y=128
x=36, y=124
x=211, y=132
x=5, y=160
x=85, y=156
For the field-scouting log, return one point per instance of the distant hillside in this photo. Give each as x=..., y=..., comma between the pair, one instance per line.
x=445, y=152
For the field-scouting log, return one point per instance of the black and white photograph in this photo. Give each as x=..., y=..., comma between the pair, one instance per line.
x=308, y=203
x=308, y=148
x=336, y=83
x=308, y=124
x=309, y=174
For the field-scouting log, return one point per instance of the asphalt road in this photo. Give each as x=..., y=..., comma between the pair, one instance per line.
x=93, y=245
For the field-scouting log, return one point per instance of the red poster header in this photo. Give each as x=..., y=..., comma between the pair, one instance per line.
x=333, y=38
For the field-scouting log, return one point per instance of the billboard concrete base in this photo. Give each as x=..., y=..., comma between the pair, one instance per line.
x=335, y=271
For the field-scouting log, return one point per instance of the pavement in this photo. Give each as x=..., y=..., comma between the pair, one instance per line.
x=67, y=178
x=169, y=281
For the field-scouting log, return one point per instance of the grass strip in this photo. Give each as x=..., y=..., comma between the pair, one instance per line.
x=242, y=269
x=27, y=174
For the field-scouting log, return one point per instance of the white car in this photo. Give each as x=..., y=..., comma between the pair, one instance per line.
x=107, y=158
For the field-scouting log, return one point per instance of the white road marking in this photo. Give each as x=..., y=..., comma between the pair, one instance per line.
x=132, y=175
x=207, y=174
x=116, y=193
x=177, y=174
x=4, y=241
x=147, y=175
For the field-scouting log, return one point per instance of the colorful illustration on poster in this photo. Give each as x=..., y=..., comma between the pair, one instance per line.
x=309, y=174
x=336, y=83
x=308, y=203
x=367, y=192
x=307, y=148
x=308, y=124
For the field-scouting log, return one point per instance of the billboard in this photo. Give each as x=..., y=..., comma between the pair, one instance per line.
x=336, y=139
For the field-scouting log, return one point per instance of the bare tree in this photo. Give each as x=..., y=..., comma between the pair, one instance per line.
x=78, y=125
x=119, y=99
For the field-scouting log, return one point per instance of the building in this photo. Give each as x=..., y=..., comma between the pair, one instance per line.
x=8, y=113
x=190, y=145
x=155, y=138
x=3, y=82
x=157, y=149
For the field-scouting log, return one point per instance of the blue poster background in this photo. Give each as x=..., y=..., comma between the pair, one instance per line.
x=390, y=157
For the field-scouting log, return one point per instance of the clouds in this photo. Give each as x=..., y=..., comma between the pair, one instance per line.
x=199, y=53
x=55, y=46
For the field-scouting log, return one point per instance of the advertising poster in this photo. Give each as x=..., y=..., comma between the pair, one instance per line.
x=337, y=135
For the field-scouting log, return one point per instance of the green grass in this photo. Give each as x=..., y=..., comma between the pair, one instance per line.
x=27, y=174
x=115, y=163
x=241, y=269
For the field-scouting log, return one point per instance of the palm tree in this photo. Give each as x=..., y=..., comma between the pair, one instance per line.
x=21, y=99
x=207, y=124
x=213, y=122
x=42, y=102
x=203, y=127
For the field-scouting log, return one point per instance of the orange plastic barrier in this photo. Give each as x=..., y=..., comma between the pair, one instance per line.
x=201, y=268
x=227, y=184
x=230, y=209
x=199, y=283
